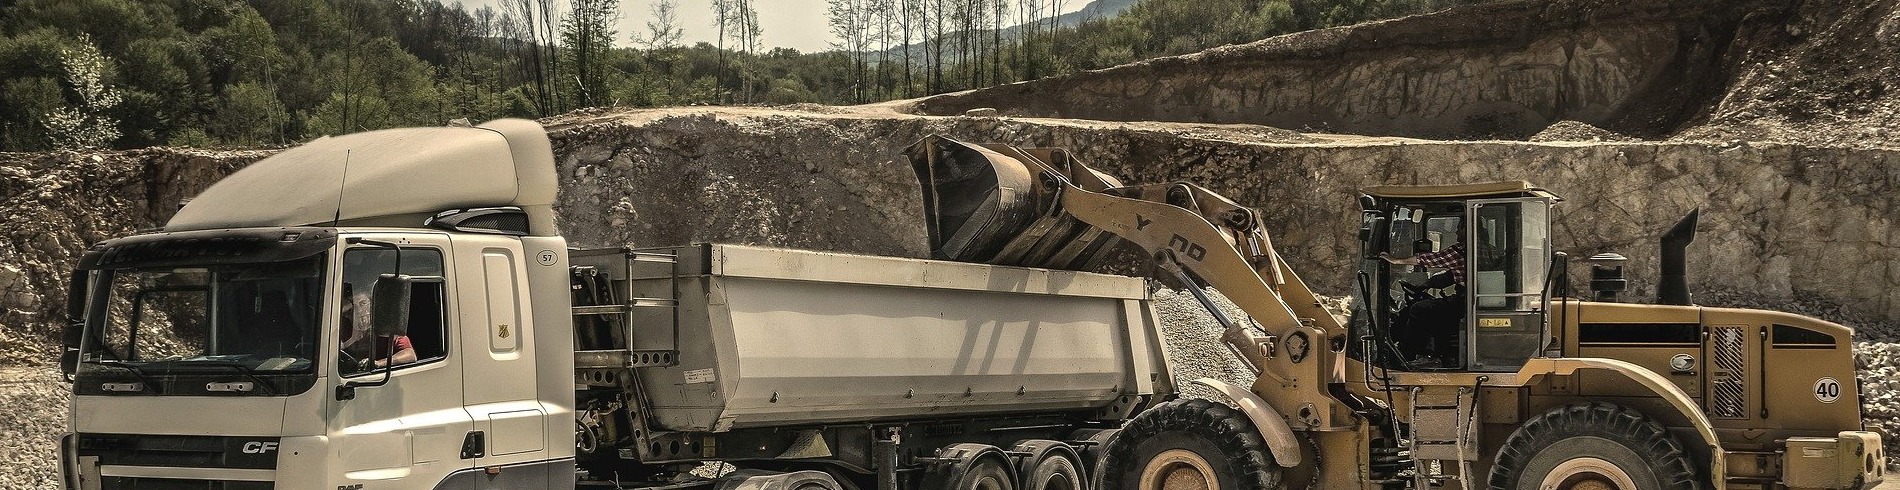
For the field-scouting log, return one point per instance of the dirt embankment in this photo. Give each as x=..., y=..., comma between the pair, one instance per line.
x=1818, y=72
x=1499, y=70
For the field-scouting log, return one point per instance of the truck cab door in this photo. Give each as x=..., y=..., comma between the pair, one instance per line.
x=498, y=384
x=410, y=431
x=1508, y=244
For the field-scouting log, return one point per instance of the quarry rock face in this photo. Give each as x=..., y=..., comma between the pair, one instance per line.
x=1780, y=222
x=1632, y=67
x=57, y=204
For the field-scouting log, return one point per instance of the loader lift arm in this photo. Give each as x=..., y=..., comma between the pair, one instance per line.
x=1035, y=207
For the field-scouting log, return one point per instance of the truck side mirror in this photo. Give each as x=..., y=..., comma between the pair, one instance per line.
x=74, y=330
x=389, y=307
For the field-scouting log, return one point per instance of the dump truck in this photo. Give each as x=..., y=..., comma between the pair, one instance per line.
x=398, y=309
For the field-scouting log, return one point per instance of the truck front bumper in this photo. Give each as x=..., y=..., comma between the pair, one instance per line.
x=1850, y=460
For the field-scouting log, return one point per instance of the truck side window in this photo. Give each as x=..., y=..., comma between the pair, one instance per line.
x=426, y=341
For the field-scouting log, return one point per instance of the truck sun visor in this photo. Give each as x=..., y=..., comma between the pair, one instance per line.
x=235, y=246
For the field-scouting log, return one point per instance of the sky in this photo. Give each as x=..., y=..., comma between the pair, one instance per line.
x=796, y=24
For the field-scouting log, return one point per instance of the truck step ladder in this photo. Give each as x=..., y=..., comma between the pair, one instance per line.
x=643, y=287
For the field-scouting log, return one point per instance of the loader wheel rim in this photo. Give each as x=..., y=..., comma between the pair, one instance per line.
x=1178, y=469
x=1587, y=473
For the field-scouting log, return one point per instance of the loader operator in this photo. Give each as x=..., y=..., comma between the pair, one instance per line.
x=1427, y=326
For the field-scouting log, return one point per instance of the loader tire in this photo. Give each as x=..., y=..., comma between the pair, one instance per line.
x=1189, y=445
x=1592, y=446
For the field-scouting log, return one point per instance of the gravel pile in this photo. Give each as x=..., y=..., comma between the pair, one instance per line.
x=1578, y=131
x=35, y=403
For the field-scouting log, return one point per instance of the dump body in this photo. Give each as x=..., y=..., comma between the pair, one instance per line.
x=777, y=337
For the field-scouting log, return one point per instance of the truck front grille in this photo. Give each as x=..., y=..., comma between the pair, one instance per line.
x=132, y=483
x=180, y=451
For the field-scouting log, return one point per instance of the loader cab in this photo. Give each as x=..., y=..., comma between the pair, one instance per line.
x=1477, y=298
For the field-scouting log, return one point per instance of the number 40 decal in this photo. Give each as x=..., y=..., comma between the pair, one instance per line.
x=1827, y=390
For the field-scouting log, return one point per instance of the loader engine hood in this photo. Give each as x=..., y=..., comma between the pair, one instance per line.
x=392, y=177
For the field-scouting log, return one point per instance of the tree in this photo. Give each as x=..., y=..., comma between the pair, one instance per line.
x=850, y=22
x=745, y=30
x=1027, y=22
x=587, y=38
x=725, y=15
x=248, y=114
x=87, y=123
x=663, y=31
x=535, y=28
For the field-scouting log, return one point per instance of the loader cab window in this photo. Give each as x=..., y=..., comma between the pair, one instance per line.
x=1484, y=313
x=1424, y=295
x=360, y=350
x=1509, y=265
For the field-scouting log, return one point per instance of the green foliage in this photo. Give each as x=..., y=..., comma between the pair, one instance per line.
x=88, y=122
x=249, y=114
x=587, y=40
x=129, y=73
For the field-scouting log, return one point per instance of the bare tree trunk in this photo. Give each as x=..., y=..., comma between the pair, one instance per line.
x=906, y=22
x=936, y=58
x=722, y=17
x=999, y=8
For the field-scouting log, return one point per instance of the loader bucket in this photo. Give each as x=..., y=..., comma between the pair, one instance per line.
x=1000, y=204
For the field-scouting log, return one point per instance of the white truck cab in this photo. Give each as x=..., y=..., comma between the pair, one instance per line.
x=357, y=312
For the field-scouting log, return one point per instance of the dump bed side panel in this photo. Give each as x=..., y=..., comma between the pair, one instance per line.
x=772, y=337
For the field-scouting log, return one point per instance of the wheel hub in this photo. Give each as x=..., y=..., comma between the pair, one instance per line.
x=1587, y=473
x=1178, y=469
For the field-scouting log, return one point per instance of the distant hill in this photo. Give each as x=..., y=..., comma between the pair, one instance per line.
x=1097, y=9
x=1094, y=10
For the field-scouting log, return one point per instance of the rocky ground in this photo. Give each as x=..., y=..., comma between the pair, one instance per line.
x=35, y=401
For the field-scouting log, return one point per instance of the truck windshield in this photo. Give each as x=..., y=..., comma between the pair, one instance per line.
x=246, y=320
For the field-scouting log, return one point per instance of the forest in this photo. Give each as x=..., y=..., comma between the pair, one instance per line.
x=77, y=74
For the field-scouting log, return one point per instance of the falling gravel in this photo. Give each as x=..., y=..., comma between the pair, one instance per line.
x=1192, y=338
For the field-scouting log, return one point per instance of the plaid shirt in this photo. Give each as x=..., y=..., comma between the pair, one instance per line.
x=1452, y=257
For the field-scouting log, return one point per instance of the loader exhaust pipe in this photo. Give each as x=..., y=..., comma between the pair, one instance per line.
x=1674, y=286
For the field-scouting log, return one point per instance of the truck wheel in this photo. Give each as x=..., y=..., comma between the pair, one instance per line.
x=1594, y=446
x=1189, y=445
x=1054, y=472
x=985, y=474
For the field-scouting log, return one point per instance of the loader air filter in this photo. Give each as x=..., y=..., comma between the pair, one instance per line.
x=1606, y=276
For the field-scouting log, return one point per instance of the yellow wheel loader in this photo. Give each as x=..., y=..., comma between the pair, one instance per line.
x=1467, y=363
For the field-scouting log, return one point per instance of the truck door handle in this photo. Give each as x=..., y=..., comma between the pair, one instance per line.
x=473, y=445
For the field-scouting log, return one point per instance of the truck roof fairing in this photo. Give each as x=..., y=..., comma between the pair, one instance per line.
x=391, y=177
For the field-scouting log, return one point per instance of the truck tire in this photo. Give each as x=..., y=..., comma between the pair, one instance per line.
x=1189, y=445
x=985, y=474
x=1592, y=446
x=1054, y=472
x=1047, y=465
